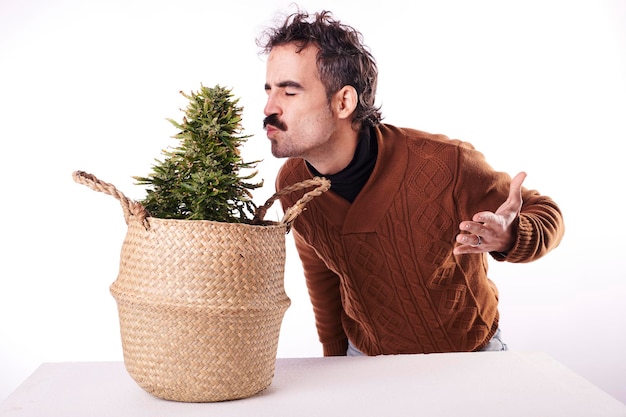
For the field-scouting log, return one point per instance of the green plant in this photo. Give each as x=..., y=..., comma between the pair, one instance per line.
x=201, y=179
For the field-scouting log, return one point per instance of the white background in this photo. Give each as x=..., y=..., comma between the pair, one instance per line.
x=536, y=85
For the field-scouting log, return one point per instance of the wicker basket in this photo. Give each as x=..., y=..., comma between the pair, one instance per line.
x=200, y=302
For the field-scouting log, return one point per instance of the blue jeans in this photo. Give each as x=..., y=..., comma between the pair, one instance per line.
x=495, y=345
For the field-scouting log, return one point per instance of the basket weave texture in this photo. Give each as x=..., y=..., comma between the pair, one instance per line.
x=200, y=302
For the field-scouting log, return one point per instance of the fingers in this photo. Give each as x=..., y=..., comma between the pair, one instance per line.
x=469, y=239
x=470, y=244
x=481, y=218
x=479, y=224
x=473, y=235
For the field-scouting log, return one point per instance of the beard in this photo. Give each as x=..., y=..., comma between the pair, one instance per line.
x=282, y=148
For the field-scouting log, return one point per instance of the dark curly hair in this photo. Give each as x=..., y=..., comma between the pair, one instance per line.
x=342, y=59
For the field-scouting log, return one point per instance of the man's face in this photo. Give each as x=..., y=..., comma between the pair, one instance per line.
x=299, y=122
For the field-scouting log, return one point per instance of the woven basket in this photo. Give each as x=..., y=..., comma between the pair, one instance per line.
x=201, y=302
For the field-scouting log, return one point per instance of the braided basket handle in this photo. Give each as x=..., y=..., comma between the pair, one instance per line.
x=134, y=208
x=322, y=185
x=129, y=207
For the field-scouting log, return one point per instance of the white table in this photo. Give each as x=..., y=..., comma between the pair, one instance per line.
x=454, y=384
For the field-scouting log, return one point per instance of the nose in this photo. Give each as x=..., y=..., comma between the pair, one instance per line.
x=271, y=106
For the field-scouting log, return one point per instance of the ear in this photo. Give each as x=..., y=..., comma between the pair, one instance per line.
x=345, y=101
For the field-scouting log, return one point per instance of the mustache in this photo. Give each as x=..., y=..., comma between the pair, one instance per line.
x=273, y=120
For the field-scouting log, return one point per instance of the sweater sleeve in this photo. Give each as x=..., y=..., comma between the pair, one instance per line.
x=323, y=287
x=539, y=227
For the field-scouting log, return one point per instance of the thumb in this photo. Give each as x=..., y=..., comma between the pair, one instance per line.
x=515, y=192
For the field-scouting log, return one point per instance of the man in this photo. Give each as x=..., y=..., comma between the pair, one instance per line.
x=395, y=254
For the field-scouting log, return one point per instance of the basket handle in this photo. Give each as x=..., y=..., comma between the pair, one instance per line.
x=129, y=207
x=322, y=185
x=134, y=208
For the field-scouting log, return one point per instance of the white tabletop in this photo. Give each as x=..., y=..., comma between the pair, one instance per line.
x=452, y=384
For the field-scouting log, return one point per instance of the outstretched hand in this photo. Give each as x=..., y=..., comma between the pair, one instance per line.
x=492, y=232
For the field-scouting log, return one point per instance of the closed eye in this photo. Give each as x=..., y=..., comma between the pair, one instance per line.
x=290, y=88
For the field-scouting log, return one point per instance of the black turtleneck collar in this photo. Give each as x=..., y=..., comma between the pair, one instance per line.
x=349, y=181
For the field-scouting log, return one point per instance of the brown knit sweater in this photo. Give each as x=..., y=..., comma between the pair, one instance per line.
x=381, y=272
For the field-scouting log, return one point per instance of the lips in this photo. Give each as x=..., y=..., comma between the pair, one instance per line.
x=270, y=130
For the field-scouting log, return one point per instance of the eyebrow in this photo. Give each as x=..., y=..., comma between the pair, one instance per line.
x=284, y=84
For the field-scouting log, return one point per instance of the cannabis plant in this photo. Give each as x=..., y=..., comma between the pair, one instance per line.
x=201, y=179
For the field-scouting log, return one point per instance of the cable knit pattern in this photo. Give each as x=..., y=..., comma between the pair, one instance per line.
x=381, y=272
